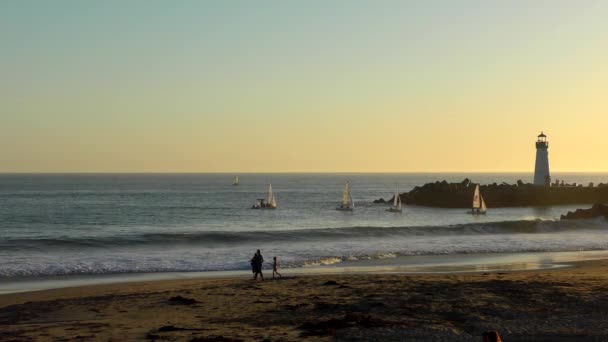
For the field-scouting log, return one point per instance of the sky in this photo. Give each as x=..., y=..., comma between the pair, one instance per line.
x=302, y=86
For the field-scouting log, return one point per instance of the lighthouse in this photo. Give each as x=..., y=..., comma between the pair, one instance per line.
x=542, y=176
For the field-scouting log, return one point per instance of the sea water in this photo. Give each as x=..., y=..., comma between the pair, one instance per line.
x=82, y=224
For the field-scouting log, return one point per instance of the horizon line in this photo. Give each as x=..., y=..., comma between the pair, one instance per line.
x=277, y=172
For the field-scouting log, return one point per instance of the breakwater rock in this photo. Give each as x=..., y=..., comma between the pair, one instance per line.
x=460, y=195
x=597, y=210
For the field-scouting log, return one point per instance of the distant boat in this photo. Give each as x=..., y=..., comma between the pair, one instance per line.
x=347, y=199
x=396, y=207
x=479, y=205
x=270, y=202
x=236, y=181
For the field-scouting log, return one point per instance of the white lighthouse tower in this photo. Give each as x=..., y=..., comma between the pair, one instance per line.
x=542, y=176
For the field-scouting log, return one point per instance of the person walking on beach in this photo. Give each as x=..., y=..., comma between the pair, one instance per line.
x=275, y=267
x=256, y=265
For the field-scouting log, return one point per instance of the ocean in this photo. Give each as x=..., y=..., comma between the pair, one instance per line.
x=107, y=224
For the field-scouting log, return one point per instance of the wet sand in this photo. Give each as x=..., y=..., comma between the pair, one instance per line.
x=560, y=304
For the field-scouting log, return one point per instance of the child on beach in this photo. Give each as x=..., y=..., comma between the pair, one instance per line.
x=275, y=267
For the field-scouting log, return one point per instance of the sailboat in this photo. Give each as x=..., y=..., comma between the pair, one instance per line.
x=270, y=202
x=479, y=205
x=236, y=181
x=347, y=199
x=396, y=207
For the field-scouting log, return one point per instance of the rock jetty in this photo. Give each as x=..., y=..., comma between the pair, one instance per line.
x=597, y=210
x=460, y=195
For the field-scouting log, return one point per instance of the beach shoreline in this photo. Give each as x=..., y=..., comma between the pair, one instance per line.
x=544, y=304
x=390, y=264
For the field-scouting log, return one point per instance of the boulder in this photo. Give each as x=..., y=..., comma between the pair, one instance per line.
x=597, y=210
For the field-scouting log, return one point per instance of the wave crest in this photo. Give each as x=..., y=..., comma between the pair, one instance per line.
x=230, y=238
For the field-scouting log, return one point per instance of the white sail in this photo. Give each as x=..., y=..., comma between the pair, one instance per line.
x=396, y=207
x=476, y=198
x=236, y=181
x=483, y=204
x=273, y=203
x=271, y=200
x=346, y=199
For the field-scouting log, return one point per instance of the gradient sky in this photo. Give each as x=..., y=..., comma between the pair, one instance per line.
x=327, y=86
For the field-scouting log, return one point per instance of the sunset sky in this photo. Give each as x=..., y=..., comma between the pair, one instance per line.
x=308, y=86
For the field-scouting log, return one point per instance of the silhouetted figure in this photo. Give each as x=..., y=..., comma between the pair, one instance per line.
x=275, y=267
x=256, y=265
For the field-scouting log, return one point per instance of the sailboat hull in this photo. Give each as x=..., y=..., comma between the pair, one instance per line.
x=394, y=210
x=259, y=207
x=474, y=212
x=344, y=209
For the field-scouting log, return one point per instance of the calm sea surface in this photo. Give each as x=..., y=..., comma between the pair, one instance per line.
x=125, y=223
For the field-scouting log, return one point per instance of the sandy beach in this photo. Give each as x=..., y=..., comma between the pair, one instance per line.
x=563, y=304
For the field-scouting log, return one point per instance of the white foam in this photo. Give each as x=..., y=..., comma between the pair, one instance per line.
x=324, y=261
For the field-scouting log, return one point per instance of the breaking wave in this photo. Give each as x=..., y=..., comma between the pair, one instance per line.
x=212, y=239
